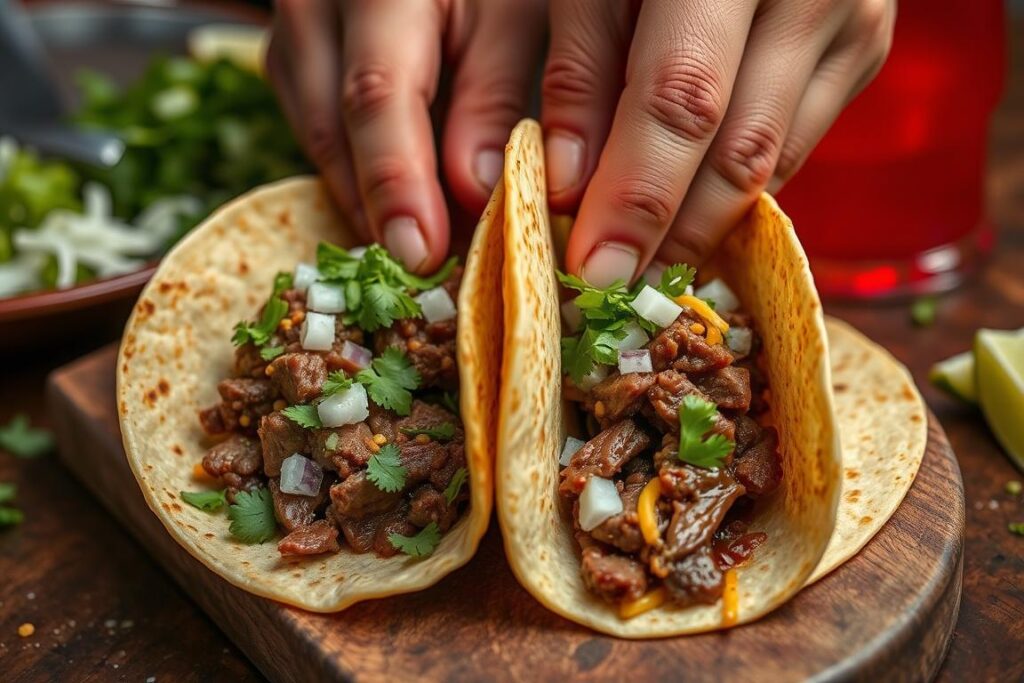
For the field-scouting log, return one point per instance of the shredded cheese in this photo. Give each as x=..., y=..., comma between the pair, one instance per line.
x=714, y=336
x=646, y=513
x=645, y=603
x=730, y=600
x=702, y=309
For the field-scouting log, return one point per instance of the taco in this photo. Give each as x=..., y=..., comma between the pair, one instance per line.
x=307, y=418
x=679, y=470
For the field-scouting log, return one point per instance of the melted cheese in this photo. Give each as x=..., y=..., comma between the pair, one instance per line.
x=646, y=513
x=730, y=600
x=645, y=603
x=701, y=308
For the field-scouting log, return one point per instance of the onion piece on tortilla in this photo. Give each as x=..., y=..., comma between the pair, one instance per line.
x=599, y=501
x=650, y=304
x=345, y=407
x=300, y=476
x=637, y=360
x=572, y=444
x=437, y=305
x=317, y=333
x=325, y=298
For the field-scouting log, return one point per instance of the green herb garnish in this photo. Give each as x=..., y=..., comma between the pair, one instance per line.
x=385, y=469
x=336, y=381
x=450, y=400
x=7, y=492
x=675, y=279
x=451, y=491
x=924, y=310
x=271, y=352
x=207, y=501
x=442, y=432
x=10, y=516
x=1016, y=528
x=304, y=415
x=696, y=418
x=420, y=545
x=1013, y=487
x=252, y=516
x=259, y=333
x=23, y=440
x=282, y=282
x=390, y=380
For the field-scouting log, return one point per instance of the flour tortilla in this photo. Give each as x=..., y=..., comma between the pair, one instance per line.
x=177, y=347
x=763, y=262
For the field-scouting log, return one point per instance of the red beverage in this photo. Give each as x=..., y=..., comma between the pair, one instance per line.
x=892, y=201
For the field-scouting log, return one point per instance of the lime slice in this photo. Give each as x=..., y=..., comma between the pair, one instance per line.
x=1000, y=372
x=244, y=45
x=956, y=376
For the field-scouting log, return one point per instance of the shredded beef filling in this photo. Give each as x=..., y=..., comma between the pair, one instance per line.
x=635, y=421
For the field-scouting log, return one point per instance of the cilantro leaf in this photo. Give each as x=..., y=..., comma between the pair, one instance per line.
x=208, y=501
x=305, y=416
x=335, y=263
x=390, y=380
x=382, y=303
x=7, y=492
x=421, y=283
x=675, y=279
x=1014, y=527
x=282, y=282
x=696, y=418
x=420, y=545
x=451, y=491
x=579, y=355
x=336, y=381
x=450, y=400
x=252, y=516
x=924, y=310
x=385, y=469
x=271, y=352
x=442, y=432
x=10, y=516
x=22, y=440
x=259, y=333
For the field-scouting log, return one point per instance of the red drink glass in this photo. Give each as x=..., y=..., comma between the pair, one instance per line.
x=892, y=201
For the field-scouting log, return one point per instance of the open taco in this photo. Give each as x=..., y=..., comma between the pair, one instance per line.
x=679, y=470
x=309, y=420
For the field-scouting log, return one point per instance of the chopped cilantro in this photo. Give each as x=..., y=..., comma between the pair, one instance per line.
x=208, y=501
x=924, y=310
x=336, y=381
x=390, y=380
x=331, y=442
x=1015, y=528
x=10, y=516
x=335, y=263
x=382, y=303
x=304, y=415
x=385, y=469
x=675, y=279
x=22, y=440
x=282, y=281
x=450, y=400
x=442, y=432
x=696, y=418
x=420, y=545
x=451, y=491
x=252, y=516
x=7, y=492
x=271, y=352
x=259, y=333
x=1013, y=488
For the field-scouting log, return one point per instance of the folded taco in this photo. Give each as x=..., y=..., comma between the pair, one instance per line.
x=678, y=471
x=306, y=417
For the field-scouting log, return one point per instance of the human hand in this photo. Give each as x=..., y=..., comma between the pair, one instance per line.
x=357, y=78
x=665, y=119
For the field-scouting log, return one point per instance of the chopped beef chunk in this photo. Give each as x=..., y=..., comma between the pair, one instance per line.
x=604, y=455
x=695, y=578
x=299, y=376
x=679, y=346
x=237, y=454
x=357, y=497
x=343, y=449
x=759, y=468
x=747, y=432
x=248, y=362
x=728, y=387
x=429, y=505
x=394, y=522
x=243, y=401
x=701, y=497
x=236, y=483
x=293, y=511
x=667, y=395
x=312, y=539
x=420, y=460
x=623, y=530
x=382, y=421
x=425, y=415
x=442, y=476
x=430, y=348
x=620, y=396
x=281, y=438
x=613, y=577
x=212, y=420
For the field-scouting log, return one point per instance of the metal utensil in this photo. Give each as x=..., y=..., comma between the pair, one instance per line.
x=33, y=113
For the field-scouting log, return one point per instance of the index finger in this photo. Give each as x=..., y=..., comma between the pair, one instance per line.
x=682, y=64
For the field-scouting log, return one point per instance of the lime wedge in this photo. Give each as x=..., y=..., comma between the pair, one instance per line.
x=956, y=376
x=1000, y=373
x=244, y=45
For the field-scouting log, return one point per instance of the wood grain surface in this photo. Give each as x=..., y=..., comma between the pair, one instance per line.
x=886, y=615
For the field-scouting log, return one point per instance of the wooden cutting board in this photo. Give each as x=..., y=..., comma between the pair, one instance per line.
x=885, y=615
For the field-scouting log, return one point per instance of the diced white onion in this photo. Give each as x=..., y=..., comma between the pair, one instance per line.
x=357, y=356
x=325, y=298
x=345, y=407
x=357, y=252
x=719, y=292
x=572, y=444
x=305, y=275
x=739, y=339
x=300, y=476
x=437, y=305
x=572, y=316
x=652, y=305
x=593, y=378
x=598, y=502
x=317, y=333
x=635, y=337
x=638, y=360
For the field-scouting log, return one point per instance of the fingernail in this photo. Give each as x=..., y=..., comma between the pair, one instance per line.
x=652, y=274
x=487, y=167
x=610, y=261
x=563, y=153
x=404, y=239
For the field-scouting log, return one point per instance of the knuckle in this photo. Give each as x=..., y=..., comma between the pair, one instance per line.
x=747, y=158
x=873, y=21
x=790, y=159
x=645, y=199
x=497, y=99
x=323, y=139
x=690, y=246
x=685, y=98
x=367, y=88
x=569, y=80
x=385, y=177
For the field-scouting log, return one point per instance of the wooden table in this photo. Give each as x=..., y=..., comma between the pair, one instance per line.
x=104, y=611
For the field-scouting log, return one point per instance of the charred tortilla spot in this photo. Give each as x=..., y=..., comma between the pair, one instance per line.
x=164, y=387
